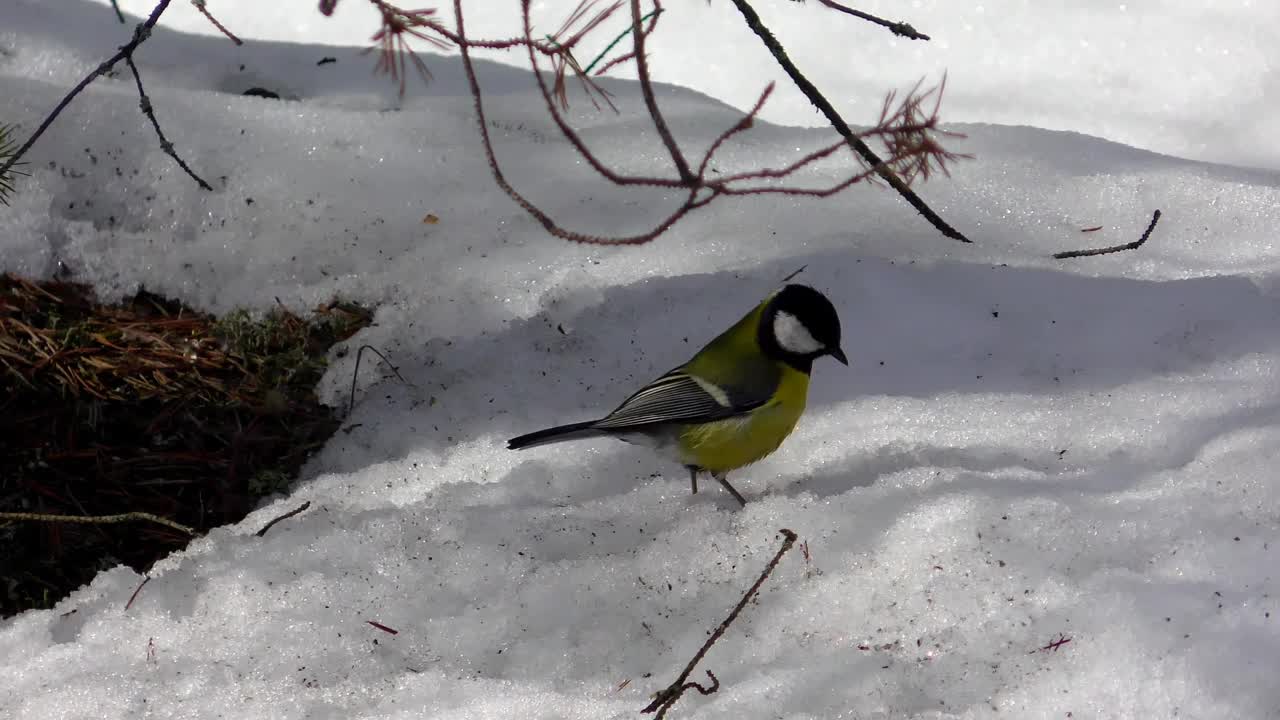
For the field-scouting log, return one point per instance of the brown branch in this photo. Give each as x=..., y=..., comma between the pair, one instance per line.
x=140, y=35
x=826, y=108
x=545, y=220
x=286, y=516
x=200, y=5
x=905, y=128
x=900, y=29
x=1155, y=218
x=96, y=519
x=137, y=590
x=651, y=102
x=745, y=123
x=664, y=699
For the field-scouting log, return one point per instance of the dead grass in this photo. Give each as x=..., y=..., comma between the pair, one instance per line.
x=145, y=406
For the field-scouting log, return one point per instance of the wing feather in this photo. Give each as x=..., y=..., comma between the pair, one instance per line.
x=678, y=397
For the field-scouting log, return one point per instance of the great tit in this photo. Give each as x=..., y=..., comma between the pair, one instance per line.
x=735, y=401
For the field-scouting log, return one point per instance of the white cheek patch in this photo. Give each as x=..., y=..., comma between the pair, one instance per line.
x=793, y=336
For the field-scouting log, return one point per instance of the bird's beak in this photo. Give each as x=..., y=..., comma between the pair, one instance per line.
x=839, y=355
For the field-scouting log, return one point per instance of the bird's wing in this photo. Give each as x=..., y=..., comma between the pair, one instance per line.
x=679, y=397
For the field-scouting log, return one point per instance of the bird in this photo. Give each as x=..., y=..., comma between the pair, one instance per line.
x=735, y=400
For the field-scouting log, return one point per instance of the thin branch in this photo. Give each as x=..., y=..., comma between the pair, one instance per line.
x=285, y=516
x=200, y=5
x=744, y=124
x=144, y=103
x=826, y=108
x=97, y=519
x=146, y=579
x=905, y=128
x=785, y=280
x=115, y=5
x=900, y=29
x=664, y=699
x=351, y=402
x=651, y=102
x=140, y=35
x=1155, y=218
x=464, y=46
x=608, y=48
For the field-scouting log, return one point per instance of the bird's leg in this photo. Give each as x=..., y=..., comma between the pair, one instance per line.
x=721, y=477
x=693, y=477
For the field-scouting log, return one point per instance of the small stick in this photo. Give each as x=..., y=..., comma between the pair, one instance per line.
x=1155, y=218
x=833, y=116
x=383, y=628
x=140, y=34
x=136, y=590
x=97, y=519
x=617, y=40
x=664, y=699
x=144, y=103
x=351, y=402
x=901, y=29
x=209, y=16
x=285, y=516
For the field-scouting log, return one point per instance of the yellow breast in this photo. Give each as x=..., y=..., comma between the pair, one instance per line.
x=729, y=444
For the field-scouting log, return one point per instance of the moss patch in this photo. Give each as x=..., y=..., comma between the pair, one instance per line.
x=145, y=406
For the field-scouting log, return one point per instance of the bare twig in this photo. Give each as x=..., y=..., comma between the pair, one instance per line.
x=137, y=590
x=794, y=273
x=664, y=699
x=200, y=5
x=1053, y=645
x=97, y=519
x=383, y=628
x=651, y=102
x=286, y=516
x=1155, y=218
x=140, y=35
x=351, y=401
x=900, y=29
x=905, y=128
x=115, y=5
x=826, y=108
x=144, y=103
x=608, y=48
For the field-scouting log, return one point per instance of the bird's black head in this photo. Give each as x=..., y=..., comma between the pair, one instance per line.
x=800, y=325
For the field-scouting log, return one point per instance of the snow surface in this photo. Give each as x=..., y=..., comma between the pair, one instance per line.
x=1023, y=450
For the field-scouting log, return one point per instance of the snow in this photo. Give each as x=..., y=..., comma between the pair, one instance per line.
x=1193, y=78
x=1024, y=449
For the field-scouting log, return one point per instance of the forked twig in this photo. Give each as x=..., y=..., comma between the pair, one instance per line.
x=351, y=401
x=140, y=35
x=1155, y=218
x=828, y=110
x=664, y=699
x=905, y=128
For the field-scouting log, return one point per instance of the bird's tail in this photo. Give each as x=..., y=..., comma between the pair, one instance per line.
x=574, y=431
